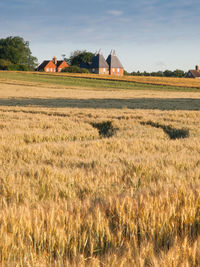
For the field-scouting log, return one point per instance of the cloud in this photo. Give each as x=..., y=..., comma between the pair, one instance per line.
x=115, y=12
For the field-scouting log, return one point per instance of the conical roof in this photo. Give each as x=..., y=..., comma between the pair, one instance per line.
x=98, y=61
x=113, y=61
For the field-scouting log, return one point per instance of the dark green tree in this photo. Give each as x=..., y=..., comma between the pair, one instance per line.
x=126, y=73
x=168, y=73
x=16, y=51
x=157, y=74
x=179, y=73
x=77, y=57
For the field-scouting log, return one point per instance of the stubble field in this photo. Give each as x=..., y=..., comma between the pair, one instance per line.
x=72, y=196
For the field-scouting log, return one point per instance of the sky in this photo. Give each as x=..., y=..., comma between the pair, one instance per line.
x=148, y=35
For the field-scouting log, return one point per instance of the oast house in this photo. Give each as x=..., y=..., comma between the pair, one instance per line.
x=110, y=66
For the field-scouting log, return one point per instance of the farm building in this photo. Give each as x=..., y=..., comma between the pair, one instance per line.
x=98, y=65
x=115, y=66
x=193, y=73
x=53, y=65
x=111, y=66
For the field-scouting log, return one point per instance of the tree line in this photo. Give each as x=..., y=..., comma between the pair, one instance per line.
x=166, y=73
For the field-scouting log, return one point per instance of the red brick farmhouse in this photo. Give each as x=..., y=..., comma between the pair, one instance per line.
x=53, y=65
x=193, y=73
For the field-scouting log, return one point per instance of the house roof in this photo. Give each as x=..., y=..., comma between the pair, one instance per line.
x=46, y=62
x=98, y=61
x=195, y=73
x=43, y=65
x=59, y=62
x=113, y=61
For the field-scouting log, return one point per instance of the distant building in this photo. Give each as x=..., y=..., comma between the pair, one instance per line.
x=98, y=65
x=193, y=73
x=53, y=65
x=111, y=66
x=115, y=66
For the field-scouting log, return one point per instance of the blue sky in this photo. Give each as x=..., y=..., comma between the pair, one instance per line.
x=147, y=35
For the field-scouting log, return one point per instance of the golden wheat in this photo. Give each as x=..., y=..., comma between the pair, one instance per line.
x=69, y=197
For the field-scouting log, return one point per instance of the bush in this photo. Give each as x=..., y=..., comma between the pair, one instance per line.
x=75, y=69
x=17, y=67
x=4, y=64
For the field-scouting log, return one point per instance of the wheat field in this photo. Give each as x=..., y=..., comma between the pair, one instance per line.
x=71, y=196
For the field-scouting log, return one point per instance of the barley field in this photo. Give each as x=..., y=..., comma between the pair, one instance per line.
x=98, y=176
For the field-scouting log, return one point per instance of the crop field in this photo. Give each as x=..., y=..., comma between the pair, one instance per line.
x=94, y=173
x=165, y=81
x=114, y=81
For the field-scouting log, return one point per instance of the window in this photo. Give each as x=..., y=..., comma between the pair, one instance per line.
x=104, y=70
x=47, y=69
x=118, y=70
x=113, y=70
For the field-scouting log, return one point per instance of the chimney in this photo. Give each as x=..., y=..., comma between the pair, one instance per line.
x=55, y=60
x=197, y=67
